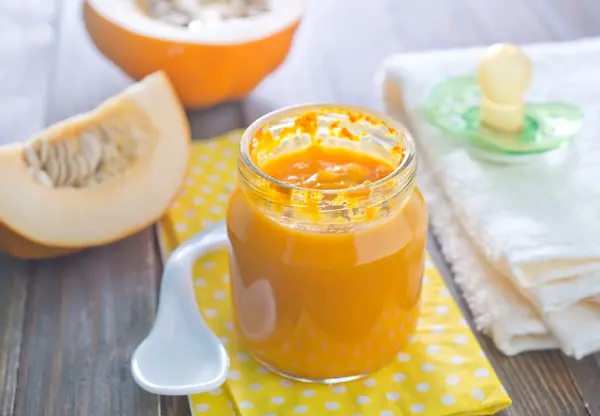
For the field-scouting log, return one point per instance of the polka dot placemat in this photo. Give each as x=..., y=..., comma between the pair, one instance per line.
x=443, y=370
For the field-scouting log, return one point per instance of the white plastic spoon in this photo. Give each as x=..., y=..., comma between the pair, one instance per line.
x=181, y=355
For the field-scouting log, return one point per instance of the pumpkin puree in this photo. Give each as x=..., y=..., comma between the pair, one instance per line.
x=323, y=305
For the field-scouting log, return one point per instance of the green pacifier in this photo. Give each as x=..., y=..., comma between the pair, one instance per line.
x=489, y=114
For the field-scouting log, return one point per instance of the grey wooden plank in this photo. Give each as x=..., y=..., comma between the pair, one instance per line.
x=215, y=121
x=587, y=380
x=85, y=315
x=175, y=406
x=13, y=290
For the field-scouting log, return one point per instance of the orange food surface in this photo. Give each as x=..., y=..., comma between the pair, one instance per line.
x=323, y=305
x=319, y=167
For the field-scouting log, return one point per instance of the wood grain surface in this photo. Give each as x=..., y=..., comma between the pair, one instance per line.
x=68, y=326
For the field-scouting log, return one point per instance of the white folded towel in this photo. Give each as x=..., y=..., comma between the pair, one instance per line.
x=524, y=240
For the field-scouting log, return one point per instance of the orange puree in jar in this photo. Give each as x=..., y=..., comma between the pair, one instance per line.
x=331, y=297
x=319, y=167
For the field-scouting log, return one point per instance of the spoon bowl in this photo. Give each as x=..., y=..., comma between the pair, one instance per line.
x=181, y=355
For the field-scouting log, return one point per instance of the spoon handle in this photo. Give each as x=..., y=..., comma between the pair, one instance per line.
x=181, y=262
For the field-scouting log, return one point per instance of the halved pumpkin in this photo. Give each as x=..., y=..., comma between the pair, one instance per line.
x=208, y=63
x=95, y=177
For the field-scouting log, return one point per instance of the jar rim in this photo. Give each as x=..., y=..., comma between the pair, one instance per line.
x=403, y=134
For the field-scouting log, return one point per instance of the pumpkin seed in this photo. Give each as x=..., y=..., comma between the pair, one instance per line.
x=73, y=171
x=90, y=157
x=52, y=169
x=43, y=151
x=91, y=149
x=32, y=158
x=182, y=13
x=43, y=178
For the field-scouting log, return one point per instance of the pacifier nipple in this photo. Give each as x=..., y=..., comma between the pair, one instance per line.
x=504, y=74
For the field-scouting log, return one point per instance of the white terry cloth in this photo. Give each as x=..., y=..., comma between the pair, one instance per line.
x=524, y=240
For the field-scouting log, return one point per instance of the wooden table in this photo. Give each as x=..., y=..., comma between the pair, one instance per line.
x=68, y=326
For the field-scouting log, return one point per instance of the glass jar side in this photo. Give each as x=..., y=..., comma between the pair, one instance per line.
x=326, y=284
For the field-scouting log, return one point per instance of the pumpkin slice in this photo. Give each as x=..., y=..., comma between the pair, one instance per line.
x=95, y=177
x=212, y=50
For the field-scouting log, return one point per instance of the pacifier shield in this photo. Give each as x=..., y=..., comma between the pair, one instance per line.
x=453, y=107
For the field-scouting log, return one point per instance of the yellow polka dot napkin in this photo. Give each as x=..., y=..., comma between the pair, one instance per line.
x=443, y=371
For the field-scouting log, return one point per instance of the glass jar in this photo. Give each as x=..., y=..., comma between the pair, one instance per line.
x=326, y=283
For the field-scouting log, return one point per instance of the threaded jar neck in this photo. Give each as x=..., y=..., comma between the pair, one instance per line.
x=334, y=125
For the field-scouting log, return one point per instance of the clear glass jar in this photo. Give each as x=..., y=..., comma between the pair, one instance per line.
x=326, y=283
